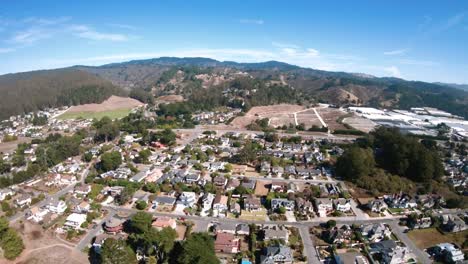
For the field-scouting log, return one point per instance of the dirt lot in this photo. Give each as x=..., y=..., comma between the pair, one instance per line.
x=112, y=103
x=360, y=123
x=330, y=117
x=170, y=98
x=44, y=247
x=8, y=147
x=279, y=115
x=429, y=237
x=309, y=118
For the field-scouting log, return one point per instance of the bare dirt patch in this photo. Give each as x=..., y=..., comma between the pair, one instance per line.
x=308, y=118
x=360, y=123
x=330, y=117
x=42, y=246
x=279, y=115
x=112, y=103
x=170, y=98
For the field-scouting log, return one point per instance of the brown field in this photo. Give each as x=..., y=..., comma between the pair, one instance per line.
x=279, y=115
x=309, y=118
x=170, y=98
x=112, y=103
x=360, y=123
x=425, y=238
x=330, y=117
x=43, y=247
x=8, y=147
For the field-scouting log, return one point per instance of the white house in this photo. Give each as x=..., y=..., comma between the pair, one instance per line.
x=324, y=206
x=342, y=205
x=207, y=201
x=5, y=192
x=75, y=220
x=57, y=207
x=23, y=200
x=187, y=199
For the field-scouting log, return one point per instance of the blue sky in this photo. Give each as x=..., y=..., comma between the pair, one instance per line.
x=415, y=40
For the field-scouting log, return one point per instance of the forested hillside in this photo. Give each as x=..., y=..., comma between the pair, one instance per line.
x=31, y=91
x=191, y=77
x=207, y=83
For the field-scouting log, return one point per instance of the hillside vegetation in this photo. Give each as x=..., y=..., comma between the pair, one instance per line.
x=191, y=77
x=31, y=91
x=206, y=83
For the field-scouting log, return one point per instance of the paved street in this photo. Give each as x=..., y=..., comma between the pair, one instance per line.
x=398, y=231
x=85, y=241
x=309, y=248
x=50, y=198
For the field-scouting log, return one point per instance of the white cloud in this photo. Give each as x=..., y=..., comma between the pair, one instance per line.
x=86, y=32
x=393, y=71
x=252, y=21
x=396, y=52
x=312, y=52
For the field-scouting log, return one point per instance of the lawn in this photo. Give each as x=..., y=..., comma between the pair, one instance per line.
x=253, y=216
x=113, y=114
x=424, y=238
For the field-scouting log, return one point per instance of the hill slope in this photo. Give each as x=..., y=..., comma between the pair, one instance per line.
x=31, y=91
x=185, y=76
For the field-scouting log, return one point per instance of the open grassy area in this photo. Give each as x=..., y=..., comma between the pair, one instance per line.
x=253, y=216
x=113, y=114
x=424, y=238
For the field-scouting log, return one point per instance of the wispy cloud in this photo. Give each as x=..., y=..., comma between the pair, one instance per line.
x=30, y=35
x=393, y=71
x=396, y=52
x=418, y=62
x=47, y=21
x=252, y=21
x=445, y=25
x=284, y=45
x=87, y=32
x=123, y=26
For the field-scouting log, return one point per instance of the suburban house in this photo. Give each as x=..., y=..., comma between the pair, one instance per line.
x=163, y=222
x=252, y=203
x=342, y=205
x=220, y=203
x=75, y=220
x=165, y=203
x=6, y=192
x=281, y=202
x=324, y=206
x=187, y=199
x=453, y=223
x=207, y=202
x=24, y=199
x=450, y=252
x=376, y=232
x=275, y=232
x=303, y=206
x=377, y=206
x=277, y=254
x=226, y=243
x=114, y=224
x=57, y=207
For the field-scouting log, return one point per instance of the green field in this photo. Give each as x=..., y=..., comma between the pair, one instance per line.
x=113, y=114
